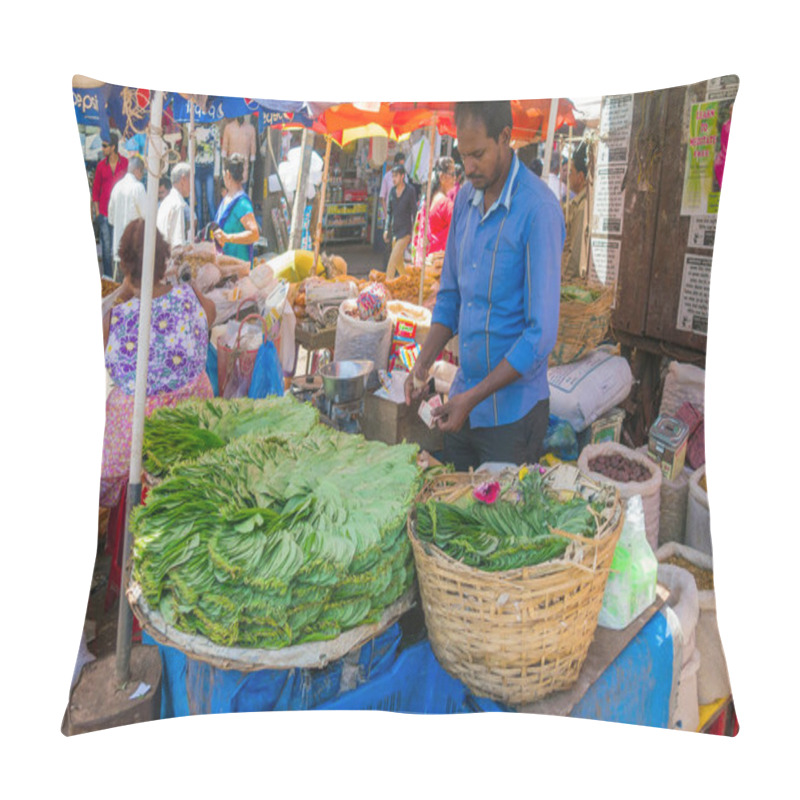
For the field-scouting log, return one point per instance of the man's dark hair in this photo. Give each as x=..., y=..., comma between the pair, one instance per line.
x=495, y=115
x=165, y=182
x=537, y=166
x=399, y=158
x=579, y=158
x=399, y=169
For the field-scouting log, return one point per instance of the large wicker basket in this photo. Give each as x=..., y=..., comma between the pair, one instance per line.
x=518, y=635
x=581, y=327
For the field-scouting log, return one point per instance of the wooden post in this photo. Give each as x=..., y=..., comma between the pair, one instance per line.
x=551, y=129
x=299, y=204
x=427, y=213
x=321, y=212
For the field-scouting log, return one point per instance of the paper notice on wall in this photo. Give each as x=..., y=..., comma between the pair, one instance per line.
x=702, y=230
x=616, y=116
x=608, y=207
x=705, y=156
x=693, y=308
x=604, y=263
x=724, y=88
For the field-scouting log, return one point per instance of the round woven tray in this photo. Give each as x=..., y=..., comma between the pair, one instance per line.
x=312, y=655
x=518, y=635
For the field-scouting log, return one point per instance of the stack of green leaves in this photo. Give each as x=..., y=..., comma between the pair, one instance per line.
x=176, y=434
x=519, y=529
x=270, y=542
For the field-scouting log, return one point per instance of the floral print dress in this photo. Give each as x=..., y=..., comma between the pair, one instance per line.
x=175, y=372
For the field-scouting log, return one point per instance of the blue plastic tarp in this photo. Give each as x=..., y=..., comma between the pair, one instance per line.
x=189, y=686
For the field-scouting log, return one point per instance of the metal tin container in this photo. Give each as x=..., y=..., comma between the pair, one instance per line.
x=345, y=381
x=667, y=445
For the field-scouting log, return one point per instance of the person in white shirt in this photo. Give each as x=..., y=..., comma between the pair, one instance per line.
x=127, y=203
x=171, y=220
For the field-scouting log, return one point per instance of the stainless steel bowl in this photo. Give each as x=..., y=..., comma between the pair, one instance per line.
x=345, y=381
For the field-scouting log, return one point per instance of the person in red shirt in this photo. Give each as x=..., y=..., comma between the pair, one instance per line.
x=441, y=205
x=111, y=169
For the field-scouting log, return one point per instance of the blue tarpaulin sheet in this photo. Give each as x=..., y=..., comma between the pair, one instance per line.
x=194, y=687
x=637, y=686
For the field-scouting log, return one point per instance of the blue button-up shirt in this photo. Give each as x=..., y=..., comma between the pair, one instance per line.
x=500, y=291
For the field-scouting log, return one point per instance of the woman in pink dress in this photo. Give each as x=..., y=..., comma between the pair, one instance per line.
x=179, y=329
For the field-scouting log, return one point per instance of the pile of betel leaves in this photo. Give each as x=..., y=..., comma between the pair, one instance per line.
x=275, y=540
x=176, y=434
x=519, y=529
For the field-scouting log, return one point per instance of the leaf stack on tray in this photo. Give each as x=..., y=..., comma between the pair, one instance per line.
x=184, y=432
x=270, y=542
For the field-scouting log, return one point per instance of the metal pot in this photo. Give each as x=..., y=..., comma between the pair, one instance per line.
x=345, y=381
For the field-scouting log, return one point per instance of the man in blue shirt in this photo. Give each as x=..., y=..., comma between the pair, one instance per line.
x=500, y=293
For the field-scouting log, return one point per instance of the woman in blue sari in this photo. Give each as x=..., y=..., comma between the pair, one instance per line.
x=237, y=229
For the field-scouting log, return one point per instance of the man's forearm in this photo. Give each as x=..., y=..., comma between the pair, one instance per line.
x=438, y=336
x=500, y=377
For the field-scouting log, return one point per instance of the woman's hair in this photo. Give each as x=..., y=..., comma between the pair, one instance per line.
x=235, y=166
x=131, y=252
x=443, y=165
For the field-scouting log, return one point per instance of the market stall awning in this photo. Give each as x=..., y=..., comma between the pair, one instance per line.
x=530, y=117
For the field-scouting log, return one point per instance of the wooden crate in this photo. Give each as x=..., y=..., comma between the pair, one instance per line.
x=389, y=422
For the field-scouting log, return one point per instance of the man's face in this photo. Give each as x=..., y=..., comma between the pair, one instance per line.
x=576, y=179
x=183, y=186
x=397, y=178
x=162, y=191
x=564, y=173
x=484, y=159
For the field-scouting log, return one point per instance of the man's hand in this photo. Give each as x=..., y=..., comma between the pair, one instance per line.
x=416, y=385
x=219, y=236
x=451, y=416
x=386, y=237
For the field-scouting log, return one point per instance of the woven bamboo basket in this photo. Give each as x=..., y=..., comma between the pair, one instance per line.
x=581, y=327
x=519, y=635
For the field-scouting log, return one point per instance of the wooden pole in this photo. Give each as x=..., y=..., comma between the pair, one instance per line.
x=155, y=150
x=427, y=213
x=551, y=130
x=192, y=198
x=321, y=212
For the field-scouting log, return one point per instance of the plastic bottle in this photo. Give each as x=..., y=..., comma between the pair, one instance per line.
x=631, y=585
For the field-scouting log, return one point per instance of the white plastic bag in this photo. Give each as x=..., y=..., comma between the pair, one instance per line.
x=362, y=339
x=698, y=521
x=713, y=681
x=583, y=391
x=684, y=383
x=631, y=585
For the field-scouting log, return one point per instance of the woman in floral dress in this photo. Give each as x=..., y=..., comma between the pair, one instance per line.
x=179, y=328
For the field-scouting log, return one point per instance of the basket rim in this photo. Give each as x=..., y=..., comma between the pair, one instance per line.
x=531, y=571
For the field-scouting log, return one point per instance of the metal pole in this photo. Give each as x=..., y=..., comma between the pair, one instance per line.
x=298, y=207
x=427, y=213
x=192, y=219
x=321, y=212
x=155, y=150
